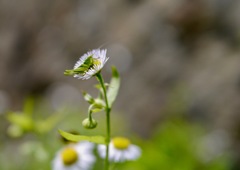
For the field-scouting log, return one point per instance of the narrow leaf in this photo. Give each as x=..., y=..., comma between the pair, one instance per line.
x=76, y=138
x=88, y=97
x=113, y=86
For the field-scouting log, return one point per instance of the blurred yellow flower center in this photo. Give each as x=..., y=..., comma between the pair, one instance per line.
x=96, y=62
x=121, y=143
x=69, y=156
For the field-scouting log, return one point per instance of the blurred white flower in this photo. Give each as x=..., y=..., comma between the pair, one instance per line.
x=74, y=157
x=90, y=63
x=120, y=150
x=213, y=145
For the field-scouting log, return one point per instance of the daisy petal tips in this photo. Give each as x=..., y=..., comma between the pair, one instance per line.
x=89, y=64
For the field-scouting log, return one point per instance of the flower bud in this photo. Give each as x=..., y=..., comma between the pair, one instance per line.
x=89, y=124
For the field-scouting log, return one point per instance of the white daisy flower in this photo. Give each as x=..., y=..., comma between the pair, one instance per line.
x=74, y=157
x=120, y=150
x=89, y=64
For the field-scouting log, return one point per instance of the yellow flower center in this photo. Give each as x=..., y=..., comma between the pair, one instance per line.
x=121, y=143
x=96, y=62
x=69, y=156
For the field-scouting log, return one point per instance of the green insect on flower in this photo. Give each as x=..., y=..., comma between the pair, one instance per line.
x=89, y=64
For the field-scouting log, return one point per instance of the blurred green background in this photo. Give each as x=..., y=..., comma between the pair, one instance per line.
x=179, y=62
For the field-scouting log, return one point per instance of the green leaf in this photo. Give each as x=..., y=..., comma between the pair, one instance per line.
x=76, y=138
x=88, y=98
x=113, y=86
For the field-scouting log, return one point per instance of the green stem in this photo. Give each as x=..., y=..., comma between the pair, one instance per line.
x=90, y=113
x=108, y=110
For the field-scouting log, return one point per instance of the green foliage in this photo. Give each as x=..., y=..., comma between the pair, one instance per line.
x=32, y=145
x=77, y=138
x=24, y=122
x=21, y=120
x=175, y=146
x=96, y=105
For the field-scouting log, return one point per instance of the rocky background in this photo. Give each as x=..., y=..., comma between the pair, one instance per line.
x=176, y=58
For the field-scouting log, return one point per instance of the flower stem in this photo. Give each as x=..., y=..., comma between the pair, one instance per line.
x=108, y=110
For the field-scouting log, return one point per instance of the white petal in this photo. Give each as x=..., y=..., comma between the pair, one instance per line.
x=85, y=157
x=57, y=163
x=133, y=152
x=84, y=146
x=102, y=151
x=117, y=156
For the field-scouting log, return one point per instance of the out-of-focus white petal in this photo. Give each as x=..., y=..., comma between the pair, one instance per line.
x=85, y=158
x=132, y=152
